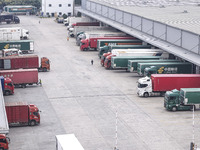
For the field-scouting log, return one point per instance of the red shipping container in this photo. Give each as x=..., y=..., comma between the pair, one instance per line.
x=17, y=112
x=168, y=82
x=21, y=76
x=17, y=62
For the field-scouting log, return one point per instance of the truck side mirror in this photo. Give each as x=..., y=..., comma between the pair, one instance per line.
x=8, y=139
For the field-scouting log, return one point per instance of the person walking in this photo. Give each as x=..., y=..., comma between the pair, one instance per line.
x=92, y=62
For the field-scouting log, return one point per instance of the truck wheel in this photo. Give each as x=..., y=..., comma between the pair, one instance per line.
x=146, y=94
x=32, y=123
x=1, y=148
x=44, y=69
x=7, y=93
x=191, y=107
x=24, y=86
x=85, y=49
x=174, y=108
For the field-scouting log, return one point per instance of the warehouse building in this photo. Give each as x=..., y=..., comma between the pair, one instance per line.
x=58, y=7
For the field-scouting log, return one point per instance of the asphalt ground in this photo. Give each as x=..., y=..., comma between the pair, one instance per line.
x=80, y=98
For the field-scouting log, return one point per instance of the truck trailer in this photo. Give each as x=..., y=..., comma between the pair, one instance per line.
x=146, y=69
x=70, y=20
x=26, y=46
x=7, y=86
x=21, y=77
x=132, y=64
x=106, y=49
x=25, y=62
x=158, y=84
x=20, y=9
x=121, y=61
x=99, y=33
x=106, y=58
x=9, y=18
x=97, y=42
x=68, y=142
x=185, y=99
x=20, y=113
x=11, y=34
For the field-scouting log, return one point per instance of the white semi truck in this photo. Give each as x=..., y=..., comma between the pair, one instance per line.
x=13, y=34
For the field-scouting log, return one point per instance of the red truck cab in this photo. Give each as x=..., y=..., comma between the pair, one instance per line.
x=34, y=115
x=103, y=57
x=45, y=64
x=84, y=45
x=4, y=141
x=8, y=87
x=107, y=62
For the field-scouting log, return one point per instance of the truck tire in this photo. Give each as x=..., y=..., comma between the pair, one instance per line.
x=191, y=107
x=32, y=123
x=7, y=93
x=44, y=69
x=174, y=108
x=23, y=85
x=1, y=148
x=85, y=49
x=146, y=94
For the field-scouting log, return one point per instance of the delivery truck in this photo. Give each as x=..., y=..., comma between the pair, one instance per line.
x=81, y=29
x=106, y=49
x=158, y=84
x=25, y=62
x=68, y=142
x=9, y=18
x=26, y=46
x=4, y=141
x=11, y=34
x=132, y=64
x=99, y=33
x=164, y=68
x=121, y=61
x=185, y=99
x=7, y=86
x=106, y=57
x=21, y=113
x=93, y=44
x=70, y=20
x=21, y=77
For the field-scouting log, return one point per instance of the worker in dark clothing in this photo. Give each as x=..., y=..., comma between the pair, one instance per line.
x=92, y=62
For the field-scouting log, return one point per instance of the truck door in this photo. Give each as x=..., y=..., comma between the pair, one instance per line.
x=7, y=64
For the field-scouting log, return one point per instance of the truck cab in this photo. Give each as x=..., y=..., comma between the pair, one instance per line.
x=144, y=87
x=45, y=64
x=4, y=141
x=150, y=70
x=103, y=57
x=107, y=62
x=84, y=45
x=8, y=87
x=34, y=115
x=24, y=34
x=16, y=19
x=171, y=100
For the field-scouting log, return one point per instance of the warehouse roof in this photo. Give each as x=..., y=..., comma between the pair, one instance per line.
x=184, y=14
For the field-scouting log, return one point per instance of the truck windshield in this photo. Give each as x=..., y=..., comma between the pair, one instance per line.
x=142, y=85
x=36, y=114
x=3, y=141
x=171, y=98
x=10, y=84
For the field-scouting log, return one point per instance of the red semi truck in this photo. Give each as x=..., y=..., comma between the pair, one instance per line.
x=91, y=43
x=20, y=113
x=25, y=62
x=86, y=24
x=4, y=141
x=158, y=84
x=21, y=77
x=7, y=86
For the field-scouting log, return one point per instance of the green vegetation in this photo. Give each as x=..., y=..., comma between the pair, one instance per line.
x=36, y=3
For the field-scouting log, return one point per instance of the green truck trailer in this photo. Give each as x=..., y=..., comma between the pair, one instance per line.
x=26, y=46
x=121, y=62
x=132, y=64
x=185, y=99
x=106, y=49
x=113, y=42
x=145, y=69
x=20, y=9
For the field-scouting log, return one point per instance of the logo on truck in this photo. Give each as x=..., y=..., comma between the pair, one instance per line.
x=168, y=70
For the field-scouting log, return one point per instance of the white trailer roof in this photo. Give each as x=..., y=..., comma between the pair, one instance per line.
x=4, y=128
x=68, y=142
